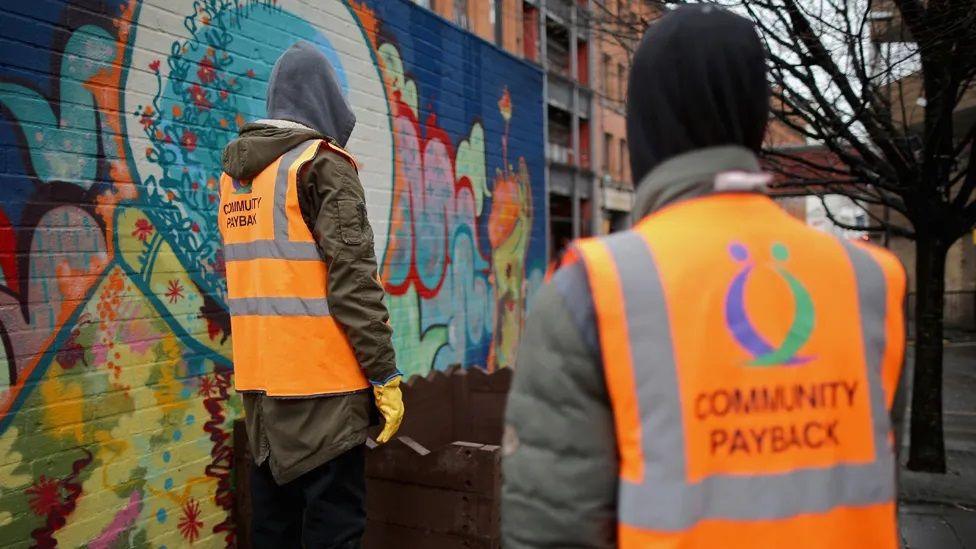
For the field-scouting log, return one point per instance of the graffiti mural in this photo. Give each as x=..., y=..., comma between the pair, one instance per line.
x=467, y=231
x=116, y=387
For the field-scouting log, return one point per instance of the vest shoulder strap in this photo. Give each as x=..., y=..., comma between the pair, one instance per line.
x=332, y=146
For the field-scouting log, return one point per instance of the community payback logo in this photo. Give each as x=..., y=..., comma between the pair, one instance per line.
x=807, y=413
x=746, y=335
x=241, y=212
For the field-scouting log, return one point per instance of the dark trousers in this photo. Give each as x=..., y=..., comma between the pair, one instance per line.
x=324, y=508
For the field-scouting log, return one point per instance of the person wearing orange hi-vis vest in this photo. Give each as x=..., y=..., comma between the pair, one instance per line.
x=719, y=374
x=312, y=343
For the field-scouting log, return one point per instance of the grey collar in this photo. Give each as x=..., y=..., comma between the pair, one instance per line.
x=285, y=124
x=689, y=175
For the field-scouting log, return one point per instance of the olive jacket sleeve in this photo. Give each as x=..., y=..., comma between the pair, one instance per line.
x=333, y=204
x=559, y=451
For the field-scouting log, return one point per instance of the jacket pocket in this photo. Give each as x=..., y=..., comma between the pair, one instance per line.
x=352, y=219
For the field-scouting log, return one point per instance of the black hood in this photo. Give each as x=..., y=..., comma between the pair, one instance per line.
x=304, y=88
x=698, y=80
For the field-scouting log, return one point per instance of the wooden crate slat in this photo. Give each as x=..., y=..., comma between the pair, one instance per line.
x=461, y=466
x=389, y=536
x=430, y=509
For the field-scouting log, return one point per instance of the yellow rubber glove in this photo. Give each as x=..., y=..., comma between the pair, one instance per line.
x=389, y=400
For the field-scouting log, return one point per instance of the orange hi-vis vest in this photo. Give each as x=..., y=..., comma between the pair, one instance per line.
x=751, y=363
x=284, y=340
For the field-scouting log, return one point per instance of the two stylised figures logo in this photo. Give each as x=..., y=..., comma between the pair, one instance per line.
x=242, y=186
x=745, y=333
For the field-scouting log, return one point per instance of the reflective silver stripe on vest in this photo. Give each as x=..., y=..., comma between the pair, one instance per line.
x=665, y=501
x=281, y=191
x=278, y=306
x=271, y=249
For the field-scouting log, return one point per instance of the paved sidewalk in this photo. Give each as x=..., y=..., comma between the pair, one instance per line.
x=937, y=526
x=939, y=511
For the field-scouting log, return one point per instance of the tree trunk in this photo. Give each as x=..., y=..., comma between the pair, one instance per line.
x=927, y=451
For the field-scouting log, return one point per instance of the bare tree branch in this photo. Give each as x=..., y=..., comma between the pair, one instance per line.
x=863, y=98
x=815, y=47
x=893, y=229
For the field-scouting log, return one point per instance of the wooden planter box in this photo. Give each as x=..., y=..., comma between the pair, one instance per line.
x=437, y=484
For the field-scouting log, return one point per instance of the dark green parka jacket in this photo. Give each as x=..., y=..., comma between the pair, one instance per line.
x=297, y=435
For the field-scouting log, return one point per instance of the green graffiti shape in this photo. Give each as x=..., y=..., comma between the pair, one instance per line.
x=470, y=163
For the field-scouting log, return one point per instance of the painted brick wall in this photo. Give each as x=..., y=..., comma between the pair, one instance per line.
x=116, y=375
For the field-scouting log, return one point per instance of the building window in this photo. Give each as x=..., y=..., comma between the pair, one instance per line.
x=560, y=146
x=584, y=144
x=623, y=158
x=496, y=17
x=557, y=48
x=583, y=62
x=461, y=13
x=586, y=218
x=607, y=150
x=607, y=80
x=560, y=224
x=530, y=32
x=621, y=82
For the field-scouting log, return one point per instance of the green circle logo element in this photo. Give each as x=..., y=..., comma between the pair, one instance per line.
x=745, y=333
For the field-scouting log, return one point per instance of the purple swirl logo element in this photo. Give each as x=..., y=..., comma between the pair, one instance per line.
x=745, y=333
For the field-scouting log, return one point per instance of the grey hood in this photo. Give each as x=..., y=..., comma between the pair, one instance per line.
x=304, y=88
